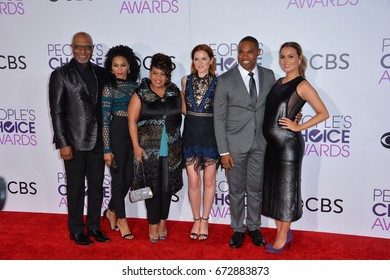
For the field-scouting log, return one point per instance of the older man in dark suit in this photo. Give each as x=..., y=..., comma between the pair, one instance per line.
x=238, y=118
x=75, y=107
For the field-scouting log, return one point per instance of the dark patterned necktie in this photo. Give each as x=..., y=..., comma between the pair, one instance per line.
x=252, y=88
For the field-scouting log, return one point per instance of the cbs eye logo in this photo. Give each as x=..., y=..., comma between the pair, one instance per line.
x=385, y=140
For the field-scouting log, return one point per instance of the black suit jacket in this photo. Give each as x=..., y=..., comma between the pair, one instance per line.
x=75, y=113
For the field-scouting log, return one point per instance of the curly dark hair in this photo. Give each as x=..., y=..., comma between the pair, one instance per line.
x=163, y=63
x=129, y=55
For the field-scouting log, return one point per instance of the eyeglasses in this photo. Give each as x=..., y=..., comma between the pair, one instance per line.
x=85, y=48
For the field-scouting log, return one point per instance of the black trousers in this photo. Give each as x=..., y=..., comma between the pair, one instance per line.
x=158, y=206
x=90, y=165
x=122, y=148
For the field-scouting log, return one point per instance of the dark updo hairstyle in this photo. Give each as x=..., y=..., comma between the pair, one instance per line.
x=132, y=59
x=209, y=51
x=303, y=65
x=163, y=63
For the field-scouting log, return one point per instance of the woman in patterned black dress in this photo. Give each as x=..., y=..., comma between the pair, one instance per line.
x=155, y=116
x=200, y=147
x=285, y=145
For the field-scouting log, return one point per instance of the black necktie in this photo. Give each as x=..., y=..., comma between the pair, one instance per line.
x=252, y=88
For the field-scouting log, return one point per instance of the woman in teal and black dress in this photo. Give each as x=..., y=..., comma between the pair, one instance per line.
x=124, y=68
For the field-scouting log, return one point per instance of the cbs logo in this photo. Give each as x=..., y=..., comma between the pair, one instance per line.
x=22, y=187
x=329, y=61
x=324, y=205
x=12, y=62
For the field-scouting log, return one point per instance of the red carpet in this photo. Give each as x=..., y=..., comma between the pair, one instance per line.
x=35, y=236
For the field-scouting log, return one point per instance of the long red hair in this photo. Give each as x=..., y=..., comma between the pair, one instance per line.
x=209, y=51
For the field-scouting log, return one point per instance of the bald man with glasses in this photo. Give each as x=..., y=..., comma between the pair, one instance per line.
x=75, y=93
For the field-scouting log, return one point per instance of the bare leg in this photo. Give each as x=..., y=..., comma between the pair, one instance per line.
x=209, y=183
x=278, y=226
x=281, y=236
x=162, y=230
x=124, y=229
x=111, y=216
x=194, y=194
x=153, y=232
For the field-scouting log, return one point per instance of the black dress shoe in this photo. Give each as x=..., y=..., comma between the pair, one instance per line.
x=98, y=235
x=257, y=237
x=236, y=239
x=81, y=239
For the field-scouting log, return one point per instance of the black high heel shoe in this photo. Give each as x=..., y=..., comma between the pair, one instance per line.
x=194, y=235
x=204, y=236
x=127, y=236
x=115, y=228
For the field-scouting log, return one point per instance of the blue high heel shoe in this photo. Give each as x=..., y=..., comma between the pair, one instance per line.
x=272, y=250
x=289, y=239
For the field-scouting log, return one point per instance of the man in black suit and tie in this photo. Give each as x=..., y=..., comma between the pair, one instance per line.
x=75, y=92
x=238, y=118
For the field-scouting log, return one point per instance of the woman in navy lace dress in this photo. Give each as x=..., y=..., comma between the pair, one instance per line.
x=200, y=147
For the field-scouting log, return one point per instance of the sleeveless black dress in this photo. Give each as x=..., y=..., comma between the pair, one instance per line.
x=283, y=159
x=156, y=112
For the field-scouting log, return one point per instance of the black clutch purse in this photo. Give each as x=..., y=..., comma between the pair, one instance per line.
x=143, y=193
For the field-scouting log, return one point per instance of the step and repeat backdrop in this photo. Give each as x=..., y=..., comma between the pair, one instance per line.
x=346, y=178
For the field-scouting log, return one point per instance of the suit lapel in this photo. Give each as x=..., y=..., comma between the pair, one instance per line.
x=241, y=85
x=261, y=84
x=94, y=98
x=79, y=79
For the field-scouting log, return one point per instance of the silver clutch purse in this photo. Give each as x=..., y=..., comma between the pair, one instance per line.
x=140, y=194
x=143, y=193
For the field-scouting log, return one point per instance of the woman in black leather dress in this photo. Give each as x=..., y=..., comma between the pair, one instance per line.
x=285, y=145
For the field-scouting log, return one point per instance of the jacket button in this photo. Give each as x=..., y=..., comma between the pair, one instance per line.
x=164, y=117
x=162, y=99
